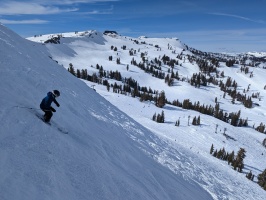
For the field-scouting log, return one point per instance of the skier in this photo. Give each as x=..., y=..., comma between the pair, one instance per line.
x=46, y=104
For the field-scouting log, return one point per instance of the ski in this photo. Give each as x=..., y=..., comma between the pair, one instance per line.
x=41, y=118
x=62, y=130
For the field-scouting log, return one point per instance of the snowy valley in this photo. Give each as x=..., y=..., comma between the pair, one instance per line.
x=141, y=114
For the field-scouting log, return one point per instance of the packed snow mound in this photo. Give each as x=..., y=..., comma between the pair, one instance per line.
x=97, y=159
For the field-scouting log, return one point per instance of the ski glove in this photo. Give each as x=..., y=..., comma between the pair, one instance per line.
x=57, y=104
x=52, y=109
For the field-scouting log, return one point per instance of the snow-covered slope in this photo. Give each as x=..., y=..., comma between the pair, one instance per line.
x=105, y=155
x=184, y=149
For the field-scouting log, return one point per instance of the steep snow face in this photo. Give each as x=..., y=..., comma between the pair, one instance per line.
x=99, y=158
x=184, y=149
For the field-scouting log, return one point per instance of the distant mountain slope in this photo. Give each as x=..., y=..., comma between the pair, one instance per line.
x=98, y=159
x=144, y=63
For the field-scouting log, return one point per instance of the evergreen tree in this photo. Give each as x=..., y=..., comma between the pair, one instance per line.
x=212, y=149
x=262, y=179
x=178, y=122
x=215, y=153
x=231, y=157
x=194, y=121
x=261, y=128
x=161, y=100
x=219, y=154
x=239, y=161
x=264, y=142
x=78, y=73
x=108, y=86
x=154, y=117
x=198, y=120
x=162, y=118
x=84, y=74
x=249, y=175
x=101, y=71
x=158, y=119
x=135, y=92
x=71, y=69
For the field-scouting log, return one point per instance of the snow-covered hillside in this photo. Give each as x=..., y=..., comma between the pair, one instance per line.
x=184, y=149
x=105, y=155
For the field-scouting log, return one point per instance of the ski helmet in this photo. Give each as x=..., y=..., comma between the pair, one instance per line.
x=56, y=93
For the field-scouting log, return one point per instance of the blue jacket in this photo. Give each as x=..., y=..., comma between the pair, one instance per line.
x=47, y=101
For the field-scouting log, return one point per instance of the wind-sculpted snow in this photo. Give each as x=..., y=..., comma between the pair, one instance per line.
x=105, y=155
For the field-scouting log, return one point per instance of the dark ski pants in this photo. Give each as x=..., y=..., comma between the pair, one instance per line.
x=48, y=115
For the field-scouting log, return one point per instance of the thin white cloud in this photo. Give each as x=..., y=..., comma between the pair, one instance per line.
x=45, y=7
x=62, y=2
x=81, y=1
x=29, y=8
x=33, y=21
x=97, y=12
x=100, y=12
x=239, y=17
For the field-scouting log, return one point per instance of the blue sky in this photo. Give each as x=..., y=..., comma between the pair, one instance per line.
x=208, y=25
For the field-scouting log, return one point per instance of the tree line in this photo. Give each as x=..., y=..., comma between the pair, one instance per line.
x=237, y=163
